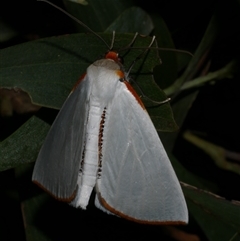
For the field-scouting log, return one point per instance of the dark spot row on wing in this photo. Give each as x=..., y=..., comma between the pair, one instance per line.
x=100, y=142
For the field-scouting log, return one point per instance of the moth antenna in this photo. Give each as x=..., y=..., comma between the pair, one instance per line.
x=140, y=55
x=136, y=59
x=167, y=49
x=175, y=50
x=113, y=39
x=129, y=46
x=148, y=98
x=76, y=20
x=156, y=102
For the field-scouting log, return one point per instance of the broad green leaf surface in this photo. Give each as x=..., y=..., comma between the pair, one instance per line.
x=219, y=218
x=119, y=16
x=141, y=22
x=23, y=146
x=98, y=15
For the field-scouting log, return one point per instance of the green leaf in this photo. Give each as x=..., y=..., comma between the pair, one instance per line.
x=139, y=22
x=219, y=218
x=98, y=15
x=23, y=145
x=109, y=16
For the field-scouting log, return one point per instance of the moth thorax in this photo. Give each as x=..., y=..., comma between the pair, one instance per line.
x=104, y=79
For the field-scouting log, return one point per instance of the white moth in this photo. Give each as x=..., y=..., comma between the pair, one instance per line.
x=103, y=138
